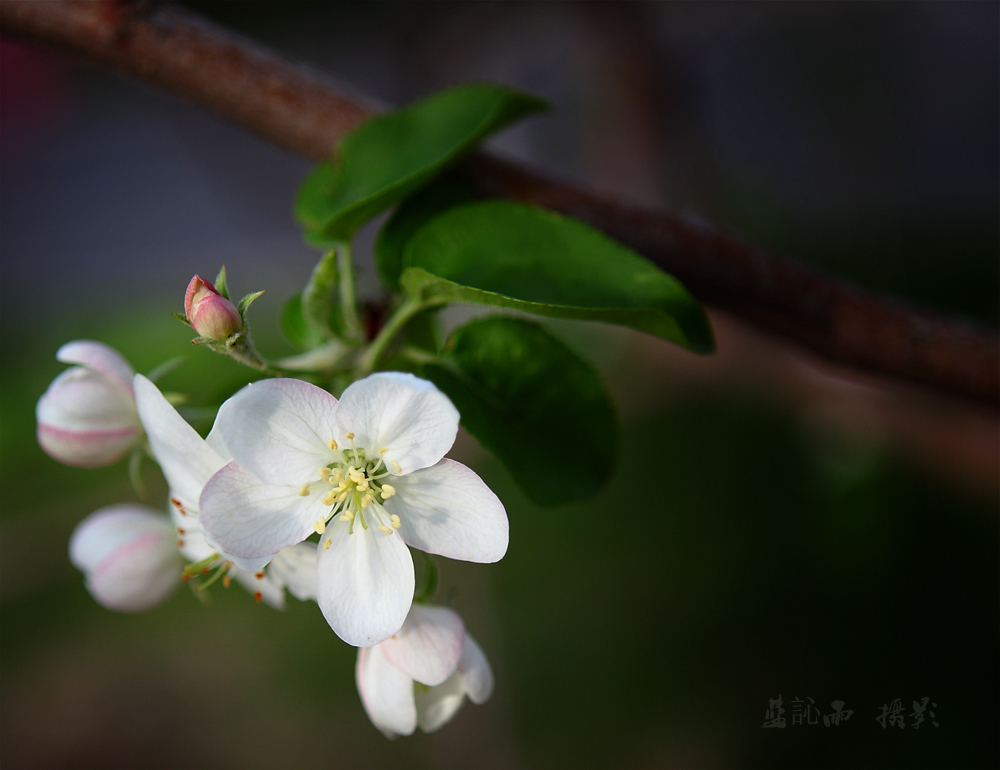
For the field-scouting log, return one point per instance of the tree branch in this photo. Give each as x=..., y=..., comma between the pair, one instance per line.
x=309, y=113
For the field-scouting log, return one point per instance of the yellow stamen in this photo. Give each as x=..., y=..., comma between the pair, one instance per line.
x=348, y=516
x=388, y=490
x=395, y=521
x=363, y=485
x=350, y=437
x=366, y=501
x=333, y=445
x=319, y=525
x=341, y=497
x=226, y=580
x=324, y=472
x=329, y=497
x=326, y=545
x=335, y=476
x=395, y=467
x=304, y=490
x=385, y=529
x=383, y=450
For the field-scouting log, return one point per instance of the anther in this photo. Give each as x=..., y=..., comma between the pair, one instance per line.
x=256, y=595
x=326, y=545
x=350, y=437
x=324, y=472
x=259, y=575
x=335, y=476
x=395, y=521
x=180, y=531
x=319, y=525
x=395, y=467
x=329, y=497
x=347, y=516
x=383, y=450
x=304, y=490
x=383, y=528
x=333, y=445
x=366, y=501
x=226, y=580
x=388, y=490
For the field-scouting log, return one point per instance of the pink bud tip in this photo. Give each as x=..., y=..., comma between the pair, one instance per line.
x=212, y=315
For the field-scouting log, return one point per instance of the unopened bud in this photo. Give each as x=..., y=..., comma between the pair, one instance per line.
x=209, y=313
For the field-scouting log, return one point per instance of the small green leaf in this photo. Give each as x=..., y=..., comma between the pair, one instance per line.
x=303, y=335
x=507, y=254
x=394, y=154
x=413, y=213
x=533, y=403
x=220, y=283
x=181, y=317
x=247, y=301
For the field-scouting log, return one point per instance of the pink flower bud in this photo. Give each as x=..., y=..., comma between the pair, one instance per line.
x=87, y=418
x=129, y=555
x=212, y=315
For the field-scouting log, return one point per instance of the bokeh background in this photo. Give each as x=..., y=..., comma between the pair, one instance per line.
x=794, y=529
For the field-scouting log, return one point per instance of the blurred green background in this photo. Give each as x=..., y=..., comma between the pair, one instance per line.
x=772, y=528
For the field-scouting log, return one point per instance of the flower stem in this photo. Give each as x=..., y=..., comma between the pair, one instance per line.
x=316, y=294
x=393, y=326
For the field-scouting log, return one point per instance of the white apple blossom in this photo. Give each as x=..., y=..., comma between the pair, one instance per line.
x=420, y=676
x=304, y=462
x=87, y=417
x=129, y=555
x=188, y=462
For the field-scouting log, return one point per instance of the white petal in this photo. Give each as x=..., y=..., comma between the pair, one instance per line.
x=86, y=420
x=279, y=430
x=428, y=646
x=270, y=591
x=295, y=569
x=436, y=706
x=249, y=519
x=475, y=671
x=365, y=582
x=409, y=417
x=190, y=539
x=386, y=693
x=448, y=510
x=99, y=357
x=129, y=556
x=186, y=459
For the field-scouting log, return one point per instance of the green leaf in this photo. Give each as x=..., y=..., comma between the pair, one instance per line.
x=180, y=317
x=247, y=301
x=220, y=283
x=303, y=335
x=412, y=214
x=507, y=254
x=392, y=155
x=533, y=403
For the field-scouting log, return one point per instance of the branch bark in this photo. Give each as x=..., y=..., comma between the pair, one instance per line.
x=309, y=113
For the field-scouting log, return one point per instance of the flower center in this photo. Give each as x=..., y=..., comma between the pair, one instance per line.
x=354, y=488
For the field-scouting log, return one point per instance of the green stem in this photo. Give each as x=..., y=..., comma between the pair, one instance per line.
x=425, y=592
x=348, y=302
x=393, y=326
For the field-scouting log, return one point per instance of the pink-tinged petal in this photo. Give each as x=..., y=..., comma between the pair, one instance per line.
x=365, y=583
x=247, y=518
x=86, y=420
x=407, y=416
x=438, y=705
x=386, y=694
x=476, y=672
x=186, y=459
x=295, y=568
x=269, y=590
x=428, y=646
x=279, y=430
x=448, y=510
x=129, y=555
x=99, y=357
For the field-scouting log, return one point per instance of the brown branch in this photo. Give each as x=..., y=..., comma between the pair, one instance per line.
x=309, y=113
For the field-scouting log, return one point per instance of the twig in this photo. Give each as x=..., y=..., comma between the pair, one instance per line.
x=301, y=110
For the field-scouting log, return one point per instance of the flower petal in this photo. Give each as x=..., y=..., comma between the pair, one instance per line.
x=186, y=459
x=295, y=569
x=279, y=430
x=365, y=582
x=247, y=518
x=128, y=555
x=436, y=706
x=407, y=416
x=448, y=510
x=190, y=539
x=386, y=693
x=428, y=646
x=99, y=357
x=86, y=420
x=476, y=672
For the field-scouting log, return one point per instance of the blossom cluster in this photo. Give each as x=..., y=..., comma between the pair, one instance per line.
x=286, y=462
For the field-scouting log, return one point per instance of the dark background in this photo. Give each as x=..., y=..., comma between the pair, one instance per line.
x=776, y=526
